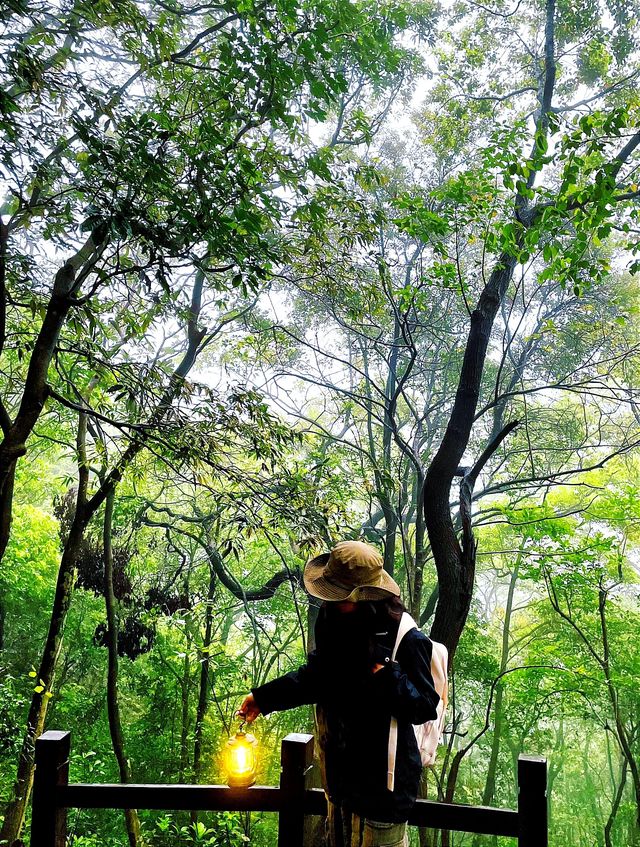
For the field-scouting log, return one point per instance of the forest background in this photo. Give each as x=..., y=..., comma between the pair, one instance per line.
x=276, y=273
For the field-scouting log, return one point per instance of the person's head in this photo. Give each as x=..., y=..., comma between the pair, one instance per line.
x=352, y=572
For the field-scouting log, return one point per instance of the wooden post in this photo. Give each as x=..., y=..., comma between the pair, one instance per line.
x=532, y=802
x=48, y=821
x=297, y=762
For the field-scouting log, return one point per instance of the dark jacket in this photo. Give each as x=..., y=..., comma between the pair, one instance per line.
x=357, y=706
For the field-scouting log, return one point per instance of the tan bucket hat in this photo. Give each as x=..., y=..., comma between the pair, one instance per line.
x=351, y=571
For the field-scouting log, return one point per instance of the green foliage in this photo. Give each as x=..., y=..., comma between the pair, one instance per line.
x=227, y=831
x=240, y=147
x=32, y=555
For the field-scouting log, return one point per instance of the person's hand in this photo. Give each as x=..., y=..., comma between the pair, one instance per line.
x=249, y=710
x=381, y=657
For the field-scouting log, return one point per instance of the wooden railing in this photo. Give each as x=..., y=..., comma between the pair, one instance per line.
x=292, y=800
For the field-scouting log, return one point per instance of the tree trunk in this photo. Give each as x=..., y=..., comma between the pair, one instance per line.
x=203, y=693
x=420, y=553
x=35, y=386
x=488, y=795
x=185, y=685
x=85, y=510
x=427, y=837
x=4, y=240
x=455, y=563
x=16, y=809
x=555, y=766
x=6, y=512
x=390, y=405
x=6, y=509
x=452, y=781
x=615, y=805
x=382, y=468
x=113, y=706
x=204, y=677
x=390, y=535
x=624, y=737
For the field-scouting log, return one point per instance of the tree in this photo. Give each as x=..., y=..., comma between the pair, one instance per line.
x=123, y=183
x=571, y=208
x=183, y=173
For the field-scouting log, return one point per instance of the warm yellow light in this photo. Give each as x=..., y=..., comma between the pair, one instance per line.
x=241, y=760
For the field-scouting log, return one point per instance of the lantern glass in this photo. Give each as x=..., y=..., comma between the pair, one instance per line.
x=241, y=760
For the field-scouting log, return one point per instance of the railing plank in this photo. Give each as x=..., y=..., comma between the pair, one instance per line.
x=459, y=818
x=207, y=798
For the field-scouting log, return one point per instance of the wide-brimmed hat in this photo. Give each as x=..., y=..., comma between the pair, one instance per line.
x=351, y=571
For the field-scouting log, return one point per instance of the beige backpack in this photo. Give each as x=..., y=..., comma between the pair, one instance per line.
x=428, y=734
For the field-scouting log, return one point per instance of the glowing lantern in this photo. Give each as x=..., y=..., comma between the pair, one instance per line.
x=241, y=760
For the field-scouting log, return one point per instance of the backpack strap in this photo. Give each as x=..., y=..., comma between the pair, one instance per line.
x=406, y=623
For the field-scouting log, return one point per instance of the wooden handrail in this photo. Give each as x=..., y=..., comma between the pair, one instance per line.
x=266, y=798
x=205, y=798
x=292, y=800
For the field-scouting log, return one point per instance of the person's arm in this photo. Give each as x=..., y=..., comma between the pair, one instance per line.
x=296, y=688
x=407, y=686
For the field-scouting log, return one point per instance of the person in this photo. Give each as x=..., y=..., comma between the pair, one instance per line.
x=357, y=689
